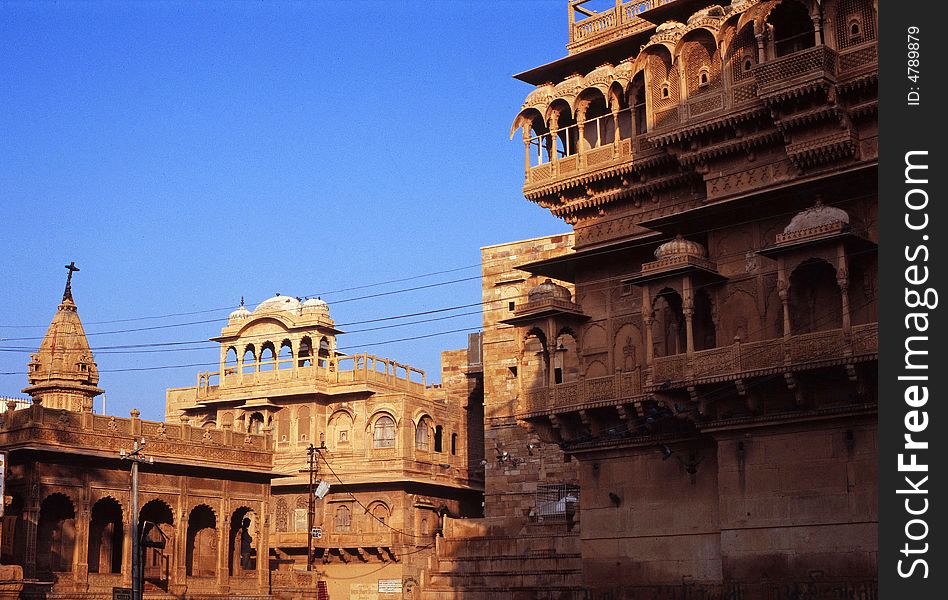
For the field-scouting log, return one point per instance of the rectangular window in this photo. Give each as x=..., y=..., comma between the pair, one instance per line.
x=300, y=519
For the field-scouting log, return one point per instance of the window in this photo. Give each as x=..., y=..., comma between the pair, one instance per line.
x=437, y=438
x=343, y=436
x=703, y=78
x=855, y=30
x=384, y=435
x=511, y=305
x=300, y=519
x=747, y=64
x=343, y=519
x=454, y=444
x=421, y=435
x=665, y=90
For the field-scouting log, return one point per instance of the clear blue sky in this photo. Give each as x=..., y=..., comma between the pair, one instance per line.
x=186, y=154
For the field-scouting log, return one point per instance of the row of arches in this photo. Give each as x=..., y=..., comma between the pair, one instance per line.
x=814, y=299
x=57, y=551
x=382, y=430
x=376, y=517
x=680, y=63
x=266, y=357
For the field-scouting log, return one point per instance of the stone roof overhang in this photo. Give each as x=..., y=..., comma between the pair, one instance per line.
x=852, y=242
x=564, y=267
x=587, y=60
x=545, y=308
x=699, y=268
x=679, y=10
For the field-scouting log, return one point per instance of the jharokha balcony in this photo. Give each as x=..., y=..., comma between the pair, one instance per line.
x=693, y=381
x=588, y=28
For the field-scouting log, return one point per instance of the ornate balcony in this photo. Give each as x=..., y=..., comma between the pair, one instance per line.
x=795, y=74
x=735, y=362
x=598, y=28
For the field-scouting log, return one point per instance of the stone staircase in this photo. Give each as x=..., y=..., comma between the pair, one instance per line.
x=473, y=562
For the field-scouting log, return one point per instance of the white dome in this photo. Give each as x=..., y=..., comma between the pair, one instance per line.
x=279, y=303
x=315, y=306
x=240, y=313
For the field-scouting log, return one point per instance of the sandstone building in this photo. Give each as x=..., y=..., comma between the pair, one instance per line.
x=399, y=455
x=690, y=399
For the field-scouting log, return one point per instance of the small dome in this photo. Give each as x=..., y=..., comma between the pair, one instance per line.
x=315, y=306
x=680, y=247
x=547, y=290
x=668, y=26
x=239, y=314
x=817, y=215
x=279, y=303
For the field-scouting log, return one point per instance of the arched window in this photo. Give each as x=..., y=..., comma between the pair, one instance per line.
x=384, y=432
x=156, y=562
x=378, y=517
x=793, y=29
x=565, y=358
x=533, y=368
x=282, y=515
x=230, y=361
x=105, y=537
x=325, y=352
x=421, y=434
x=283, y=424
x=267, y=357
x=669, y=333
x=343, y=520
x=256, y=423
x=639, y=104
x=702, y=323
x=242, y=555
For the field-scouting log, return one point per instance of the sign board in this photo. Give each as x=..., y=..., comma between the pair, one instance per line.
x=316, y=532
x=362, y=591
x=121, y=593
x=390, y=586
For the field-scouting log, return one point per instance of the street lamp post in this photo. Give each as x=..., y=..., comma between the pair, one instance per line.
x=136, y=457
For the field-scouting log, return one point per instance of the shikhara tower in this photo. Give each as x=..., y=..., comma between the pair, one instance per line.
x=62, y=373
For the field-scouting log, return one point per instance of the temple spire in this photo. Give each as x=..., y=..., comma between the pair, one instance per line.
x=72, y=268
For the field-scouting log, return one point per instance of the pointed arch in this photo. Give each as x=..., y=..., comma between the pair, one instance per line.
x=106, y=535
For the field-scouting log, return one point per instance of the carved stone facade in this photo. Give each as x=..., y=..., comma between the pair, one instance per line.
x=399, y=455
x=699, y=360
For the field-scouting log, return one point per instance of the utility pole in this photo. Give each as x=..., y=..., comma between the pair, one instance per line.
x=311, y=506
x=136, y=457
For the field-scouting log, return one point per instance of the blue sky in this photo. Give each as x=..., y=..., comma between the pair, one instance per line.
x=187, y=154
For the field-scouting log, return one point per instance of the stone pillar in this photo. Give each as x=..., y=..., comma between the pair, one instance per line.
x=817, y=29
x=783, y=290
x=527, y=149
x=223, y=545
x=80, y=565
x=688, y=309
x=842, y=279
x=647, y=318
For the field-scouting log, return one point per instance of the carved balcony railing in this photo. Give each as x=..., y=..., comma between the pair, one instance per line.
x=582, y=394
x=736, y=361
x=334, y=539
x=797, y=72
x=610, y=24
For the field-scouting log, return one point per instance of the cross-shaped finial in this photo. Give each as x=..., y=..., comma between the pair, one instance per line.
x=72, y=268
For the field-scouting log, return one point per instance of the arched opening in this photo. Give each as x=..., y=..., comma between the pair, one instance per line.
x=267, y=357
x=855, y=23
x=325, y=352
x=105, y=537
x=156, y=561
x=201, y=550
x=303, y=423
x=342, y=521
x=285, y=358
x=227, y=420
x=702, y=323
x=533, y=362
x=242, y=556
x=250, y=359
x=566, y=358
x=669, y=324
x=702, y=61
x=55, y=535
x=566, y=134
x=340, y=430
x=815, y=298
x=384, y=432
x=422, y=434
x=305, y=353
x=639, y=108
x=379, y=516
x=256, y=423
x=438, y=437
x=599, y=127
x=792, y=28
x=230, y=361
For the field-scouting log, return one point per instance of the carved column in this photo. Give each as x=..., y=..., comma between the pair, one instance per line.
x=783, y=290
x=526, y=149
x=554, y=126
x=81, y=563
x=817, y=29
x=223, y=545
x=647, y=317
x=580, y=129
x=688, y=309
x=842, y=279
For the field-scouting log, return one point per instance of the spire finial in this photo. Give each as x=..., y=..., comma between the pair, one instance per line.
x=72, y=268
x=241, y=300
